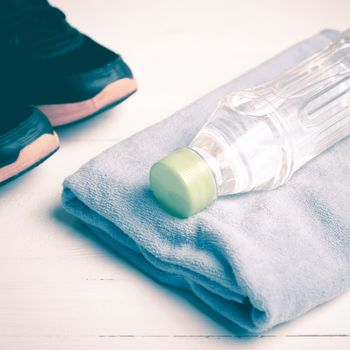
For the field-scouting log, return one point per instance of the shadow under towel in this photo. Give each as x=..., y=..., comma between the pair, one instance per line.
x=258, y=259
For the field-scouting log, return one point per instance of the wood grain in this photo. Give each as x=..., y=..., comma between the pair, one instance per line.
x=60, y=288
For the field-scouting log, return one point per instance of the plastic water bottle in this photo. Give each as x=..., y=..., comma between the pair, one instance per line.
x=257, y=138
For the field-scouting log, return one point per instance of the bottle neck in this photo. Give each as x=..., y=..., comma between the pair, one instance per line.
x=212, y=165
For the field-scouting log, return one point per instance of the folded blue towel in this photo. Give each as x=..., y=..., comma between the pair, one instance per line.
x=258, y=259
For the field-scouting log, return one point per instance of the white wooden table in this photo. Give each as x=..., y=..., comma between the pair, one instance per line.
x=60, y=288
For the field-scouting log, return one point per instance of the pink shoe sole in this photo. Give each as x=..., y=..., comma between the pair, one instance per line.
x=61, y=114
x=31, y=155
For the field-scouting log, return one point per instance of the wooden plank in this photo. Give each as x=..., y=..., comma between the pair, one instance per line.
x=60, y=288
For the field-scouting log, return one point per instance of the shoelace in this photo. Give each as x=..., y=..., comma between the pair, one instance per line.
x=40, y=29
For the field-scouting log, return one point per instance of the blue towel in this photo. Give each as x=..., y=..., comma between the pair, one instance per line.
x=257, y=259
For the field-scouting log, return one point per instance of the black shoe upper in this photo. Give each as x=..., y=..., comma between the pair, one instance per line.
x=12, y=114
x=72, y=77
x=50, y=61
x=36, y=29
x=29, y=127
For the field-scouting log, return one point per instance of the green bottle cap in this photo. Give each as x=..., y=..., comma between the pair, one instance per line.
x=183, y=183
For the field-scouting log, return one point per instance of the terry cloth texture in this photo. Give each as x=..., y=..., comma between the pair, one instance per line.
x=258, y=259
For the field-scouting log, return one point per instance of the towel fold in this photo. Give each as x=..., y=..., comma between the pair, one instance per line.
x=258, y=259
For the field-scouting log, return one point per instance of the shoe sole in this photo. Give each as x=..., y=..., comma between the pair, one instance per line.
x=30, y=156
x=112, y=94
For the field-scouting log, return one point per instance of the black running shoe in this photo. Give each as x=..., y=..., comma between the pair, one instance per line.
x=26, y=139
x=62, y=71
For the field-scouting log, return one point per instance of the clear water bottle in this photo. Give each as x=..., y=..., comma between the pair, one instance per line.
x=257, y=138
